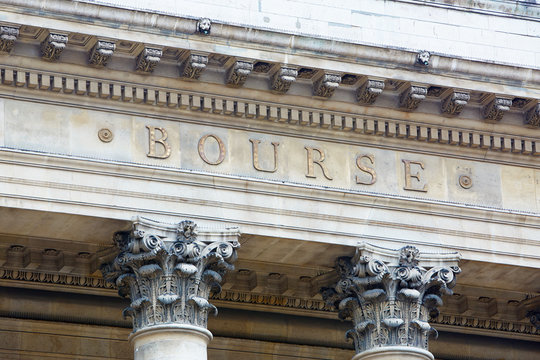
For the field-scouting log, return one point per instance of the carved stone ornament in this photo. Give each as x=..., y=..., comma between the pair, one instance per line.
x=148, y=59
x=101, y=53
x=532, y=117
x=204, y=26
x=368, y=92
x=168, y=271
x=422, y=57
x=282, y=80
x=453, y=104
x=411, y=97
x=8, y=35
x=52, y=46
x=326, y=85
x=495, y=109
x=239, y=72
x=193, y=66
x=391, y=294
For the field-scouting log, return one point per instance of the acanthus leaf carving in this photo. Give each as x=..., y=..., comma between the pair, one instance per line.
x=283, y=78
x=8, y=36
x=411, y=97
x=169, y=273
x=532, y=117
x=53, y=46
x=193, y=66
x=148, y=59
x=454, y=103
x=390, y=301
x=101, y=53
x=326, y=85
x=239, y=72
x=369, y=91
x=494, y=110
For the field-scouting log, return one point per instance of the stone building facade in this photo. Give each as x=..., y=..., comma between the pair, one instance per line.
x=269, y=179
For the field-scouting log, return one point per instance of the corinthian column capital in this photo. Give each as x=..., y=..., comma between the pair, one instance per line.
x=390, y=296
x=168, y=271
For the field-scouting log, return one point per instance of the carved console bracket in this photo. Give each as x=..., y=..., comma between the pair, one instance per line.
x=455, y=101
x=326, y=85
x=494, y=110
x=368, y=92
x=8, y=35
x=193, y=66
x=532, y=117
x=53, y=46
x=168, y=271
x=239, y=72
x=411, y=97
x=391, y=294
x=148, y=60
x=101, y=53
x=283, y=78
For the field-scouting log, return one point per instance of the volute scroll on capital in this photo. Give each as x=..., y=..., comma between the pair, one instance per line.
x=168, y=272
x=390, y=295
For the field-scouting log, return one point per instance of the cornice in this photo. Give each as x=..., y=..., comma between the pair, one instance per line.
x=237, y=37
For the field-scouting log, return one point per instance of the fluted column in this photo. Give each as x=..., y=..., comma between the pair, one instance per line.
x=168, y=272
x=390, y=295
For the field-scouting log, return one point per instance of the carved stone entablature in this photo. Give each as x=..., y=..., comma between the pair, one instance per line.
x=494, y=110
x=455, y=101
x=411, y=97
x=53, y=46
x=239, y=72
x=532, y=117
x=326, y=85
x=193, y=66
x=369, y=91
x=148, y=59
x=283, y=78
x=8, y=35
x=101, y=53
x=391, y=294
x=168, y=271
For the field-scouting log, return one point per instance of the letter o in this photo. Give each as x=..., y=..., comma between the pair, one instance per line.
x=221, y=145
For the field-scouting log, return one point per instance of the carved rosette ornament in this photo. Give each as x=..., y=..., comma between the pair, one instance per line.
x=495, y=109
x=101, y=53
x=391, y=294
x=193, y=66
x=453, y=104
x=53, y=46
x=326, y=85
x=8, y=35
x=148, y=59
x=169, y=271
x=369, y=91
x=239, y=72
x=411, y=97
x=282, y=80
